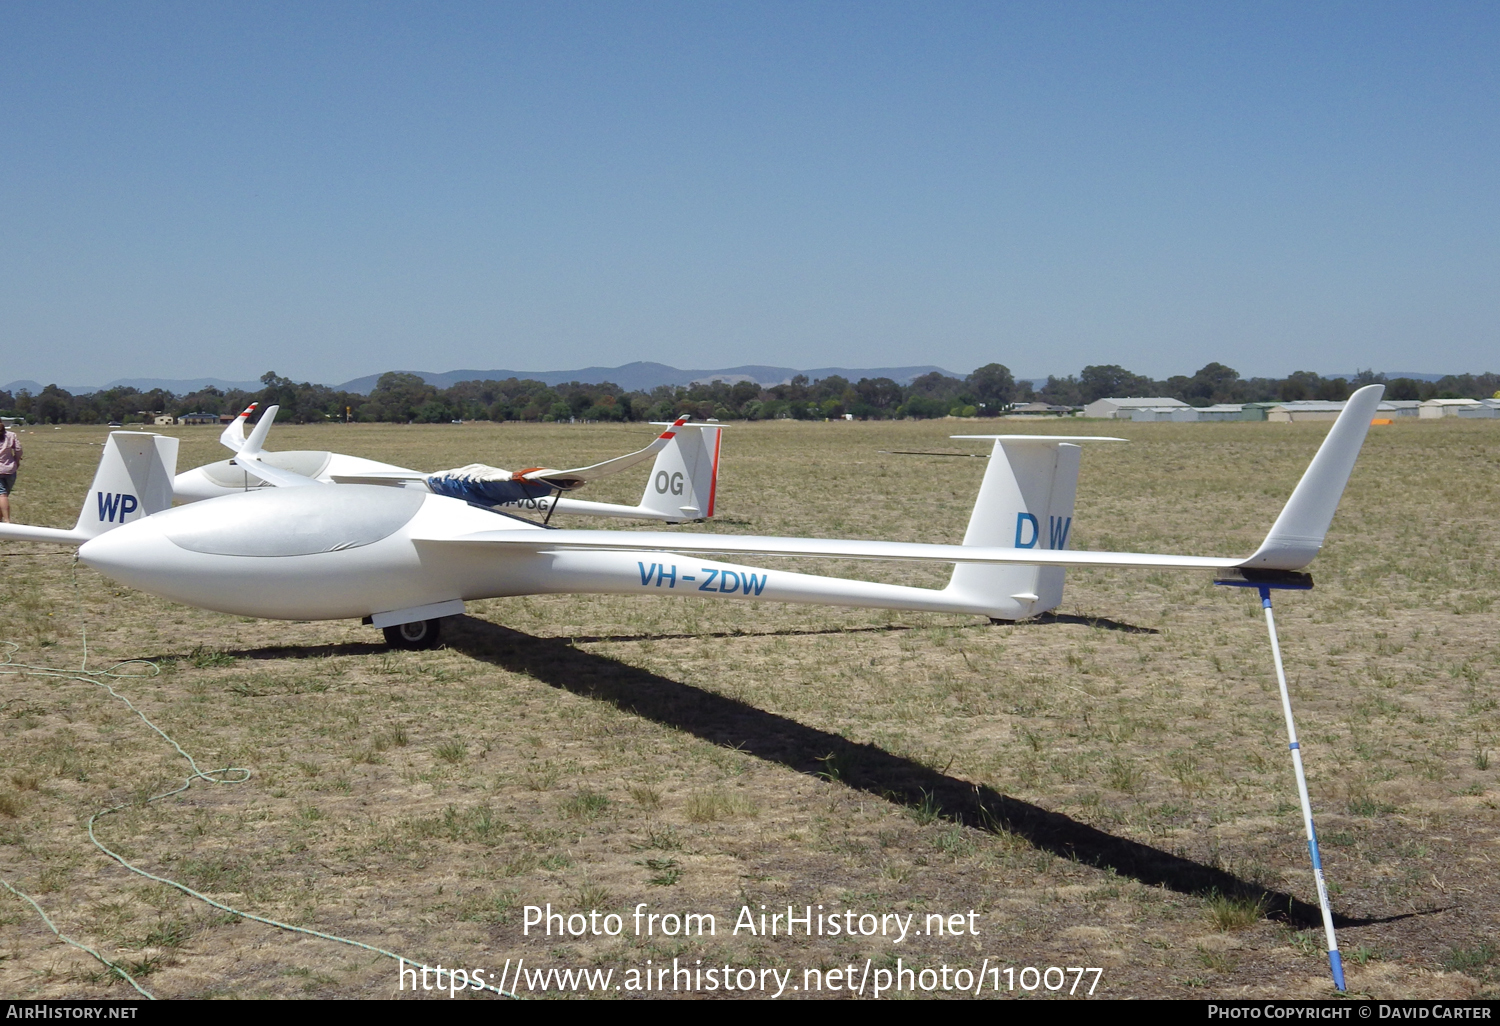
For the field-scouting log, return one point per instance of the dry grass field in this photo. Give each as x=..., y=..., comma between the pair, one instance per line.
x=1108, y=787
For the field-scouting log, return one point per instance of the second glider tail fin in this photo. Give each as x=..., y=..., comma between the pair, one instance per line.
x=684, y=479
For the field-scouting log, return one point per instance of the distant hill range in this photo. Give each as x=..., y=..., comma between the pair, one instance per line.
x=177, y=386
x=631, y=377
x=1392, y=375
x=643, y=376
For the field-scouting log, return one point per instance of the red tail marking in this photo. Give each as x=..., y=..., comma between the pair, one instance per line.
x=713, y=484
x=671, y=432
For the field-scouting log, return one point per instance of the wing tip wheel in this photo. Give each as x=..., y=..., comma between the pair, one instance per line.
x=418, y=634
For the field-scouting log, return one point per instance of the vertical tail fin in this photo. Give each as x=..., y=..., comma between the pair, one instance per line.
x=684, y=479
x=1025, y=501
x=134, y=480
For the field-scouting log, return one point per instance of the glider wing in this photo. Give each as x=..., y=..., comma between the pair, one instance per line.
x=831, y=548
x=1292, y=543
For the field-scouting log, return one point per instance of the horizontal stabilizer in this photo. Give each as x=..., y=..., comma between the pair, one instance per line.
x=25, y=532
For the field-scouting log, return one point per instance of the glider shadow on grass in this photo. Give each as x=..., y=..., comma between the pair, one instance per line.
x=1098, y=622
x=869, y=768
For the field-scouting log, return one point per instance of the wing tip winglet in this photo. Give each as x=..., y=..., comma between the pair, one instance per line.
x=1297, y=536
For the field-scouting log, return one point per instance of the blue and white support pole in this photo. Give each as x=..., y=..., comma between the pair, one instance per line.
x=1335, y=962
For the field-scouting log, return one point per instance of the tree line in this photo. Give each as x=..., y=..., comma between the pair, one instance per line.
x=989, y=391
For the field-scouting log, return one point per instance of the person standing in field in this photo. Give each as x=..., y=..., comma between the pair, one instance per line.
x=10, y=463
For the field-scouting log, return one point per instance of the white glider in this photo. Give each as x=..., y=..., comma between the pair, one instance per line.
x=403, y=558
x=681, y=487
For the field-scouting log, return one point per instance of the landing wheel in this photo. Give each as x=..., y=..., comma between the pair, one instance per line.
x=417, y=634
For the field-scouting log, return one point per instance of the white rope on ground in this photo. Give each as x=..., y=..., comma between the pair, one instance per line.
x=226, y=775
x=69, y=940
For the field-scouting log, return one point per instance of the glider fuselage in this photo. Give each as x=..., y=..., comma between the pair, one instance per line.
x=325, y=553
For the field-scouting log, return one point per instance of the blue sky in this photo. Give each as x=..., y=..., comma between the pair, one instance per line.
x=333, y=189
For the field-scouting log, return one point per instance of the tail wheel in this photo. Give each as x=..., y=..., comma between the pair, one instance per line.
x=414, y=635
